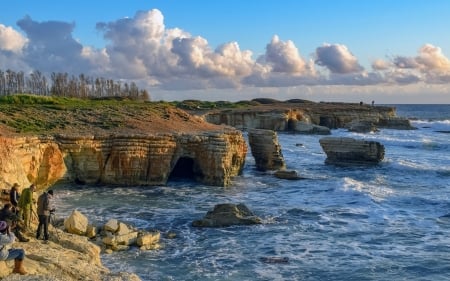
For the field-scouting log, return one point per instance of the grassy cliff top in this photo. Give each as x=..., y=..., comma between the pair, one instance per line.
x=40, y=115
x=44, y=115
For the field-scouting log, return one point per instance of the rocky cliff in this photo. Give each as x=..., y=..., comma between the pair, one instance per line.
x=210, y=157
x=291, y=116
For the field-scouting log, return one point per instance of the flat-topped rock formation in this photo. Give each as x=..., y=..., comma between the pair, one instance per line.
x=342, y=151
x=297, y=116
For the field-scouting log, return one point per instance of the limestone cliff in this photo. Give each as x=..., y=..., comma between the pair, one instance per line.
x=210, y=157
x=285, y=116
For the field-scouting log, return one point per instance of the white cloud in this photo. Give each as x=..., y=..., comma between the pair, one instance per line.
x=337, y=58
x=142, y=49
x=11, y=40
x=380, y=64
x=283, y=57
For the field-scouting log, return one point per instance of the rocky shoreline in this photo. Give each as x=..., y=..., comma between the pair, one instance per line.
x=204, y=143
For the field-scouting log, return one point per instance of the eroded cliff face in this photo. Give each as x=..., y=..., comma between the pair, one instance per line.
x=28, y=160
x=211, y=157
x=284, y=117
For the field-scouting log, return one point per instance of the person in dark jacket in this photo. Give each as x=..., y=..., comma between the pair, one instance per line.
x=44, y=210
x=7, y=214
x=14, y=196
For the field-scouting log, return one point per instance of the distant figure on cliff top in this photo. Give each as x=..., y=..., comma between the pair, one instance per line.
x=373, y=103
x=14, y=196
x=26, y=205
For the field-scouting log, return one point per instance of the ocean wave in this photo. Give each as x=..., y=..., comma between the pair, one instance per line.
x=375, y=189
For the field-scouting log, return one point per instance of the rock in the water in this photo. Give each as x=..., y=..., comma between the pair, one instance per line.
x=341, y=150
x=226, y=215
x=287, y=175
x=266, y=150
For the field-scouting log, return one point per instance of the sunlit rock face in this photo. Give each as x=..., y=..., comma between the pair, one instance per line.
x=266, y=149
x=27, y=160
x=212, y=157
x=308, y=118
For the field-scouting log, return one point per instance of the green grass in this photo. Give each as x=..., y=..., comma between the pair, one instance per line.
x=42, y=114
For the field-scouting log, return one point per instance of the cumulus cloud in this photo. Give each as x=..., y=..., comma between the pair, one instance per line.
x=51, y=47
x=380, y=64
x=337, y=58
x=141, y=48
x=11, y=40
x=283, y=57
x=432, y=58
x=430, y=65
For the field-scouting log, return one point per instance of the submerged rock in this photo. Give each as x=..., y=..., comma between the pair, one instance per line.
x=226, y=215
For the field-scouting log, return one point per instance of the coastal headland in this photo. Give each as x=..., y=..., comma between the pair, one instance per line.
x=114, y=141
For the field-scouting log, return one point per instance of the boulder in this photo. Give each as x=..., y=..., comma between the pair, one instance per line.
x=112, y=226
x=76, y=223
x=226, y=215
x=287, y=175
x=342, y=150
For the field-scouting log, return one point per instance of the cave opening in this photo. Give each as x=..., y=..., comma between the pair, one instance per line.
x=185, y=169
x=291, y=124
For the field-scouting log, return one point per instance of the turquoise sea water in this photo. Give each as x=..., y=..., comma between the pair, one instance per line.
x=384, y=222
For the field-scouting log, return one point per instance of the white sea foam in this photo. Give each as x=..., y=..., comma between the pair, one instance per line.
x=376, y=190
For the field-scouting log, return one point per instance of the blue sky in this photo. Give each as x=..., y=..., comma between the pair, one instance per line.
x=390, y=51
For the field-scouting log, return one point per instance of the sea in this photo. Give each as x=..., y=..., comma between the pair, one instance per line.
x=389, y=221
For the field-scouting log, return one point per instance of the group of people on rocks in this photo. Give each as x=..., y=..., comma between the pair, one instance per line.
x=15, y=220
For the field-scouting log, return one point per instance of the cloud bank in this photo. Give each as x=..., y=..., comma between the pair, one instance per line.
x=141, y=48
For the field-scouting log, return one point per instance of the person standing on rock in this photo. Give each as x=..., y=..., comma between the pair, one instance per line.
x=26, y=205
x=44, y=210
x=8, y=253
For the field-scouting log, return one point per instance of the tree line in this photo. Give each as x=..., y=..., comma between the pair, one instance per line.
x=65, y=85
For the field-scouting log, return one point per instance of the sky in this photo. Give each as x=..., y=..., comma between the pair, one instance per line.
x=387, y=51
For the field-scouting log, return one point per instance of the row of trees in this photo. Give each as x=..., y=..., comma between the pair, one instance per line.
x=63, y=85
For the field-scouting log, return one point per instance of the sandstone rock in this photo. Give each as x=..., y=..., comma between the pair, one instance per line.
x=216, y=157
x=266, y=150
x=76, y=223
x=91, y=231
x=362, y=127
x=284, y=116
x=287, y=175
x=123, y=229
x=111, y=225
x=308, y=128
x=226, y=215
x=342, y=150
x=67, y=257
x=126, y=239
x=397, y=123
x=148, y=239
